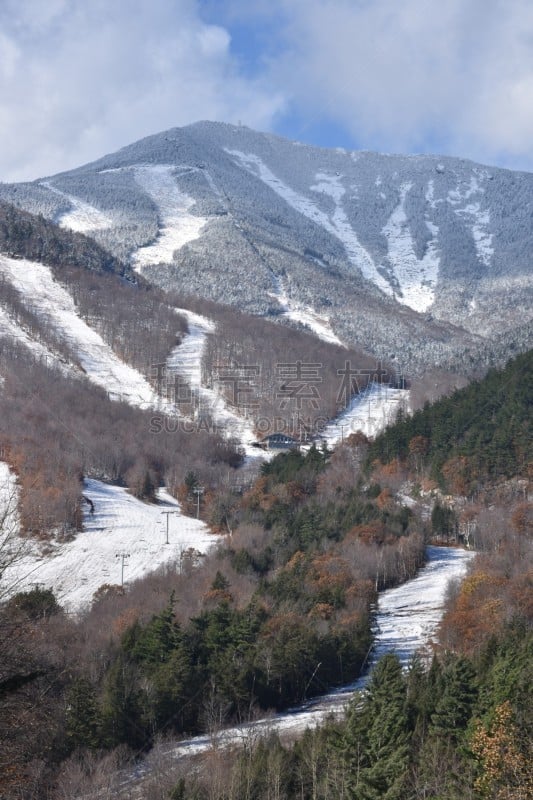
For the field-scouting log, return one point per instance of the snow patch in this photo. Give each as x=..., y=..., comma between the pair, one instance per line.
x=480, y=224
x=336, y=225
x=305, y=315
x=369, y=412
x=406, y=621
x=177, y=225
x=186, y=361
x=478, y=218
x=416, y=278
x=53, y=302
x=120, y=524
x=82, y=217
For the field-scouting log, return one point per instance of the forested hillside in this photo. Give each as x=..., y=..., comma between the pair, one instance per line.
x=242, y=361
x=281, y=611
x=284, y=607
x=427, y=257
x=478, y=434
x=26, y=235
x=460, y=726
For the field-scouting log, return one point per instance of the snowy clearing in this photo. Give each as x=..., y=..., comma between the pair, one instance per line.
x=177, y=225
x=406, y=621
x=120, y=524
x=479, y=219
x=186, y=361
x=416, y=278
x=305, y=315
x=50, y=300
x=12, y=330
x=338, y=225
x=82, y=217
x=368, y=412
x=408, y=615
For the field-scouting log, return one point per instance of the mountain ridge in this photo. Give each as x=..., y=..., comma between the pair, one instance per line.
x=423, y=256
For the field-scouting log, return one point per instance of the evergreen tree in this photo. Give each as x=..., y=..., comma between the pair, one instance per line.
x=378, y=735
x=454, y=708
x=83, y=717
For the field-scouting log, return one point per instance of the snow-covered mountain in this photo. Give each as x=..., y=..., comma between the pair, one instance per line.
x=421, y=256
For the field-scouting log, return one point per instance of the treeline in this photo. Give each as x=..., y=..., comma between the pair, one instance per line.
x=30, y=236
x=54, y=429
x=478, y=434
x=281, y=378
x=457, y=730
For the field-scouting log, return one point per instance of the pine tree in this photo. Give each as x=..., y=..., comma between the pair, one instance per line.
x=378, y=736
x=83, y=717
x=454, y=707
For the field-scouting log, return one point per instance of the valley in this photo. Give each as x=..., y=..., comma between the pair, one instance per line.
x=265, y=440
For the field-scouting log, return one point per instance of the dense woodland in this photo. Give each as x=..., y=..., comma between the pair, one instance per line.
x=280, y=611
x=479, y=434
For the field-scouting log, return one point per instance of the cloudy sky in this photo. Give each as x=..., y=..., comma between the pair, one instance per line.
x=81, y=78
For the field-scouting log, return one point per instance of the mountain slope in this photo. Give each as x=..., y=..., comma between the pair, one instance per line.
x=422, y=256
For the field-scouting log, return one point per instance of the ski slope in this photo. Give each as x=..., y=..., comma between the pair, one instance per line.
x=186, y=361
x=337, y=224
x=81, y=217
x=406, y=621
x=369, y=412
x=177, y=225
x=55, y=305
x=416, y=278
x=120, y=524
x=305, y=315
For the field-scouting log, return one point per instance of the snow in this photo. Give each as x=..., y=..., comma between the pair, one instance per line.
x=406, y=621
x=120, y=524
x=82, y=217
x=305, y=315
x=177, y=225
x=337, y=225
x=368, y=412
x=479, y=219
x=408, y=615
x=186, y=361
x=416, y=278
x=186, y=358
x=482, y=237
x=52, y=301
x=11, y=329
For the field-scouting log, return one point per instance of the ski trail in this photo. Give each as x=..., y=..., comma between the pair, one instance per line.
x=120, y=524
x=55, y=305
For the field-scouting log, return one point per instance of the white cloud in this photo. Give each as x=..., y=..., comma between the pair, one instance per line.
x=417, y=74
x=79, y=78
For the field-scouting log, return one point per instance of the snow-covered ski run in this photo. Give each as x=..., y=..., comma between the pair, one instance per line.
x=123, y=539
x=406, y=621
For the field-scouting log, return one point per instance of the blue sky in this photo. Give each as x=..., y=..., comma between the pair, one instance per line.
x=80, y=78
